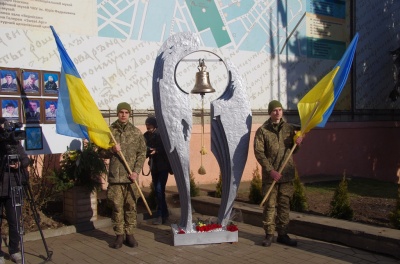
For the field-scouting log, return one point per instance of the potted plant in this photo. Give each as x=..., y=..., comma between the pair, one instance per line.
x=81, y=168
x=79, y=178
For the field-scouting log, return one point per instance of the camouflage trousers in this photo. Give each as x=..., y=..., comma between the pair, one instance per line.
x=122, y=200
x=277, y=208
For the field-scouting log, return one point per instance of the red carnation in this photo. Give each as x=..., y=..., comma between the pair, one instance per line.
x=232, y=228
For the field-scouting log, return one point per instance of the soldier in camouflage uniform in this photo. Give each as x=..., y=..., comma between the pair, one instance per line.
x=122, y=193
x=272, y=144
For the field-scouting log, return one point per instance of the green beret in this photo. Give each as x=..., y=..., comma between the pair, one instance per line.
x=272, y=105
x=123, y=105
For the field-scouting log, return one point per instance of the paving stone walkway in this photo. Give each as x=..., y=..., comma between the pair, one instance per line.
x=156, y=246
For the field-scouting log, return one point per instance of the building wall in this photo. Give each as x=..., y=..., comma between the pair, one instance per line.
x=359, y=149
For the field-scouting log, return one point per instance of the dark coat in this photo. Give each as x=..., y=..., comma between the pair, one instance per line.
x=10, y=175
x=159, y=161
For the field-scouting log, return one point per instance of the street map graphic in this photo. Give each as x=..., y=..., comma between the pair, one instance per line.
x=240, y=25
x=244, y=25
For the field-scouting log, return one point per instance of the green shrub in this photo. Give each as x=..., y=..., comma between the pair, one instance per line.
x=298, y=202
x=340, y=204
x=255, y=195
x=394, y=216
x=194, y=190
x=218, y=188
x=42, y=191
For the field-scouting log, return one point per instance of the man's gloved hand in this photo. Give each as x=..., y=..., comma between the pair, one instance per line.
x=275, y=175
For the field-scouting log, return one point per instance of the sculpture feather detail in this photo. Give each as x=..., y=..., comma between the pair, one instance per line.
x=174, y=115
x=230, y=137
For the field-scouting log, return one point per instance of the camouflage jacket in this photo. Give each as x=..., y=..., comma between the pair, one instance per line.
x=133, y=148
x=272, y=145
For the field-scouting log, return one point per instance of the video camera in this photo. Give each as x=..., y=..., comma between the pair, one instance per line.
x=11, y=131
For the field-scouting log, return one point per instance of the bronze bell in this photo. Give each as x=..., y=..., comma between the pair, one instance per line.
x=202, y=85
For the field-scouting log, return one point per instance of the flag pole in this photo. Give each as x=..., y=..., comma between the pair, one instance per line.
x=290, y=154
x=130, y=172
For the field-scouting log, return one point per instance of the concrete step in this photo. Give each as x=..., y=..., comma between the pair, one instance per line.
x=366, y=237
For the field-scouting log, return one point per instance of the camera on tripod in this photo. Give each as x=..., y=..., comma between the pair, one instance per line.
x=11, y=133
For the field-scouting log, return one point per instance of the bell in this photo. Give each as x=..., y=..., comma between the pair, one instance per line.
x=202, y=85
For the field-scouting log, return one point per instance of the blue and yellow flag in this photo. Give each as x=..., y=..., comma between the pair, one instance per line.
x=317, y=105
x=77, y=113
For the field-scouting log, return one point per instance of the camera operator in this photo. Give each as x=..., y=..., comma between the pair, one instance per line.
x=14, y=162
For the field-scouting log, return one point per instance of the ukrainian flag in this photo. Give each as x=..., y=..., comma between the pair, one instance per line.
x=317, y=105
x=77, y=113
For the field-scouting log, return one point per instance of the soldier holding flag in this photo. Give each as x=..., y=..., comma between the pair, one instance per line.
x=272, y=144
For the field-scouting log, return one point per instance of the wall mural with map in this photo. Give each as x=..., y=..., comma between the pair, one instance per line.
x=281, y=48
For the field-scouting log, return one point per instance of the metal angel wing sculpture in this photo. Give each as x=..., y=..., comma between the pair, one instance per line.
x=174, y=115
x=230, y=137
x=230, y=126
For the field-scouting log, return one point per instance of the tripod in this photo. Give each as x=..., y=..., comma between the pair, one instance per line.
x=20, y=188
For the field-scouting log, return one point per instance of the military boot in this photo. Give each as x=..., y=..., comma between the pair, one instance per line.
x=268, y=240
x=118, y=242
x=286, y=240
x=131, y=241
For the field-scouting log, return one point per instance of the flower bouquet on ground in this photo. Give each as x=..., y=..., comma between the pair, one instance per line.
x=232, y=227
x=205, y=232
x=207, y=226
x=235, y=216
x=210, y=225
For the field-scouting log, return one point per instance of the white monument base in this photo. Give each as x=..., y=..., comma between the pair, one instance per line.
x=201, y=238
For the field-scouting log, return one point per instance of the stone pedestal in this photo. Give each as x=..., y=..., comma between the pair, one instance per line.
x=201, y=238
x=80, y=205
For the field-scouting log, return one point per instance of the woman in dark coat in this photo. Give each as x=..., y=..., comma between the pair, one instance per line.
x=159, y=167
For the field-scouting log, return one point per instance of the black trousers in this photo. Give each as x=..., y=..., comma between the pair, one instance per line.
x=14, y=237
